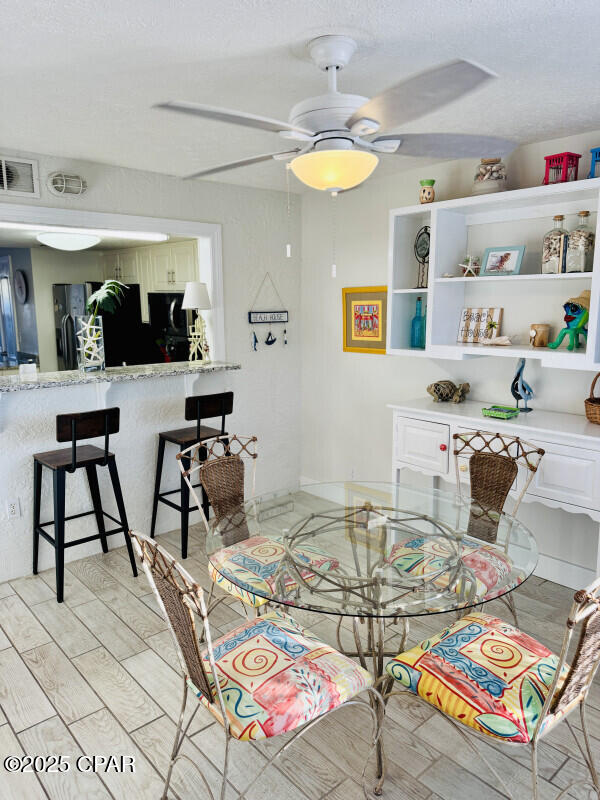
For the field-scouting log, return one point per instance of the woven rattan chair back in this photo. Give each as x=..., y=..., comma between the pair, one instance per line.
x=218, y=464
x=524, y=454
x=492, y=476
x=181, y=601
x=585, y=615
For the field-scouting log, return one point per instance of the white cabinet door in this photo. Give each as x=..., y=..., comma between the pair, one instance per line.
x=569, y=475
x=162, y=268
x=184, y=263
x=128, y=265
x=422, y=444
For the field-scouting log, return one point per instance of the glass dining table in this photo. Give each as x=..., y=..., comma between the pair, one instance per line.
x=373, y=553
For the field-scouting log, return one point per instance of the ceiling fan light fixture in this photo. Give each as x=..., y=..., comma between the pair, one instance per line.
x=334, y=170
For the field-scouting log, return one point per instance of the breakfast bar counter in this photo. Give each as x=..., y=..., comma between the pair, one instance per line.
x=150, y=398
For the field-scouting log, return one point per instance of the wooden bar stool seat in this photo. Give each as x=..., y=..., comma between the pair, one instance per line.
x=73, y=428
x=198, y=408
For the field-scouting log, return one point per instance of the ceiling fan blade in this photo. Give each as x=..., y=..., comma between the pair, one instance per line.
x=449, y=145
x=427, y=91
x=244, y=162
x=235, y=117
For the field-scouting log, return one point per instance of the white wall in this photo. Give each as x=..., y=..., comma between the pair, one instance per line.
x=346, y=425
x=267, y=389
x=56, y=266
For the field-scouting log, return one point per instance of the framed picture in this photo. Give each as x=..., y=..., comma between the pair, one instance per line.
x=502, y=260
x=479, y=325
x=365, y=319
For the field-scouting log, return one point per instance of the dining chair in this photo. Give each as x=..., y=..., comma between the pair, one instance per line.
x=246, y=567
x=492, y=461
x=265, y=678
x=484, y=674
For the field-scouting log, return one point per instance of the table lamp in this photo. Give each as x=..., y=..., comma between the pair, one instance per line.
x=196, y=297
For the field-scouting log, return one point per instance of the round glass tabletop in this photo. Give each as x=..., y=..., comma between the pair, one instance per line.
x=370, y=549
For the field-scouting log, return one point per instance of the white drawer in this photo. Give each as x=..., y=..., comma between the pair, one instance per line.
x=568, y=474
x=422, y=444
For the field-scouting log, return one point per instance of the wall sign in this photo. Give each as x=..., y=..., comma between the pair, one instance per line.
x=255, y=317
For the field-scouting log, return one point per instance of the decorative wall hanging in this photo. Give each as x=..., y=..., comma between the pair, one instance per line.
x=595, y=159
x=539, y=333
x=479, y=325
x=521, y=390
x=427, y=192
x=577, y=314
x=364, y=311
x=421, y=248
x=561, y=167
x=442, y=391
x=269, y=318
x=502, y=260
x=490, y=176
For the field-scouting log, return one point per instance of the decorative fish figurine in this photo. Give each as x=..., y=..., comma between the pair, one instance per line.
x=442, y=391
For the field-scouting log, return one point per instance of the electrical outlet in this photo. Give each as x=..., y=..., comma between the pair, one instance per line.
x=13, y=509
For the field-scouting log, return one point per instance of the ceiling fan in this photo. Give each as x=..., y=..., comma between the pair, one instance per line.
x=339, y=134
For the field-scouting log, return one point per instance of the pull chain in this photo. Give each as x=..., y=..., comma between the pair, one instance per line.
x=288, y=247
x=333, y=233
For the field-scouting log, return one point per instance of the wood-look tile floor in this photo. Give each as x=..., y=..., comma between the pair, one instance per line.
x=97, y=675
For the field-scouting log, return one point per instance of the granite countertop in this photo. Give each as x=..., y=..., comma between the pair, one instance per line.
x=48, y=380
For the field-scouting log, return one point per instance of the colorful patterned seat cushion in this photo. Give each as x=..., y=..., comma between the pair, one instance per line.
x=484, y=673
x=275, y=676
x=494, y=571
x=250, y=566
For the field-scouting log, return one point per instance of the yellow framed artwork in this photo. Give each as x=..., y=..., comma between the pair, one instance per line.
x=364, y=311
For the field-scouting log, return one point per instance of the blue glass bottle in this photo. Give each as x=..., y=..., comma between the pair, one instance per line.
x=417, y=327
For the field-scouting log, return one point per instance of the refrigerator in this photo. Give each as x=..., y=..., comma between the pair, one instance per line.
x=124, y=339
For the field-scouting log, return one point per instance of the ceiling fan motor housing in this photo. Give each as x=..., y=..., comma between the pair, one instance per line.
x=327, y=112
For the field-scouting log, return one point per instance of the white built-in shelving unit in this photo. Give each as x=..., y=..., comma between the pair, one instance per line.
x=469, y=225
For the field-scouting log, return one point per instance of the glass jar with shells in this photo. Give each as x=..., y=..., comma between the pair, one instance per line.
x=554, y=248
x=580, y=250
x=490, y=176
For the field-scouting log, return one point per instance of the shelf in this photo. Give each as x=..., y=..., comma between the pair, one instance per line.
x=408, y=351
x=557, y=358
x=533, y=277
x=410, y=291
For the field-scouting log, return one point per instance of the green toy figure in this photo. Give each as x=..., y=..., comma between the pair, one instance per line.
x=576, y=317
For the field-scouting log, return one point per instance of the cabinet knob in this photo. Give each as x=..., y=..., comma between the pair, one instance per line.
x=463, y=468
x=443, y=447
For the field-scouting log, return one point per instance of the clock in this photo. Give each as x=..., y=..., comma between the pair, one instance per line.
x=20, y=286
x=422, y=255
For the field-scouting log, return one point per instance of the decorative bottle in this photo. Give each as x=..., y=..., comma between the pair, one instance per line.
x=417, y=327
x=554, y=250
x=581, y=245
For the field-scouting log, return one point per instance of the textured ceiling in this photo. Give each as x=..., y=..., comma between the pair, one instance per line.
x=78, y=77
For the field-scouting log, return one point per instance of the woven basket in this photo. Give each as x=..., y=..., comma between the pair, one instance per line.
x=592, y=404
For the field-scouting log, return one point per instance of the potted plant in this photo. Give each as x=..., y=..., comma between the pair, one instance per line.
x=89, y=331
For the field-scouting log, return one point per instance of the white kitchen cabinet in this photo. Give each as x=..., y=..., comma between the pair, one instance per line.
x=144, y=272
x=157, y=268
x=163, y=274
x=184, y=263
x=110, y=266
x=422, y=444
x=120, y=265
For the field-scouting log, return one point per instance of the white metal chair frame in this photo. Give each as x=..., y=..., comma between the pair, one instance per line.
x=156, y=560
x=522, y=453
x=572, y=694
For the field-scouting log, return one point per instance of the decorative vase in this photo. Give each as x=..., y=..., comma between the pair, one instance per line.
x=90, y=343
x=427, y=192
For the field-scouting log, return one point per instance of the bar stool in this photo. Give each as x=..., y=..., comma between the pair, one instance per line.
x=198, y=408
x=74, y=428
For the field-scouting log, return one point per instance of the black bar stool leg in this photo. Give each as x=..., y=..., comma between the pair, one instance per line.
x=92, y=476
x=185, y=513
x=59, y=531
x=202, y=455
x=37, y=499
x=116, y=484
x=159, y=466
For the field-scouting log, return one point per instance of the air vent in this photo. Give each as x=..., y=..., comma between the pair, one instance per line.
x=19, y=177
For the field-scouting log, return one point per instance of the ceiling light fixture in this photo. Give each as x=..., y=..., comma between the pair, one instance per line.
x=334, y=170
x=138, y=236
x=68, y=241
